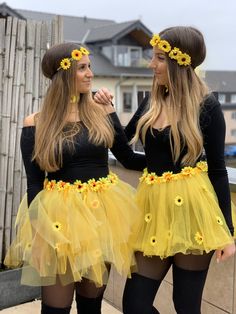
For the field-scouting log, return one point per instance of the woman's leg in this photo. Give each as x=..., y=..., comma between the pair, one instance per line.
x=140, y=290
x=57, y=299
x=89, y=297
x=189, y=276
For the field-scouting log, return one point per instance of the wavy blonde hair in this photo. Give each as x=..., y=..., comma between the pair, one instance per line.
x=52, y=127
x=186, y=95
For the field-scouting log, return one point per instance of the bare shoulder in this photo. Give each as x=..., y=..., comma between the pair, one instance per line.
x=30, y=120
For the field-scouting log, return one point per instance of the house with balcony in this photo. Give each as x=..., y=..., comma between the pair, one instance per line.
x=224, y=82
x=119, y=54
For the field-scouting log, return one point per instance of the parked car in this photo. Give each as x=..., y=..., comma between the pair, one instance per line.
x=230, y=151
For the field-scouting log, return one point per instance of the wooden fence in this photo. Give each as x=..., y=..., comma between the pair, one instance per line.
x=22, y=87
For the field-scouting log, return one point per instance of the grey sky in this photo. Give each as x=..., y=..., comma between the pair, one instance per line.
x=215, y=18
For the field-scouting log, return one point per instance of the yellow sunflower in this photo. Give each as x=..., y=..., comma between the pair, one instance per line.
x=155, y=40
x=188, y=171
x=84, y=51
x=97, y=253
x=153, y=241
x=76, y=54
x=57, y=226
x=164, y=45
x=167, y=176
x=184, y=59
x=80, y=187
x=65, y=63
x=95, y=203
x=219, y=220
x=94, y=185
x=202, y=165
x=173, y=54
x=179, y=200
x=148, y=217
x=151, y=178
x=198, y=238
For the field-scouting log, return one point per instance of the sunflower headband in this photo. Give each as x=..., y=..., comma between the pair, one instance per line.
x=176, y=54
x=76, y=54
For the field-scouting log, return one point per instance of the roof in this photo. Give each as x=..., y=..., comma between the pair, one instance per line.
x=81, y=29
x=5, y=10
x=222, y=81
x=118, y=30
x=75, y=28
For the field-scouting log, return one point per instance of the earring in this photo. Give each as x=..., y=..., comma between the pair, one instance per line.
x=74, y=99
x=166, y=89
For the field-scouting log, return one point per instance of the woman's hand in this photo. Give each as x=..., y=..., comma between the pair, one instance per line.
x=225, y=253
x=103, y=96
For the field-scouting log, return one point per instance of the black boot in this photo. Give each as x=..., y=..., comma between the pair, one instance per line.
x=139, y=295
x=188, y=289
x=89, y=305
x=46, y=309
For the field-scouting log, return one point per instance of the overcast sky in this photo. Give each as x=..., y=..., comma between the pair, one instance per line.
x=215, y=18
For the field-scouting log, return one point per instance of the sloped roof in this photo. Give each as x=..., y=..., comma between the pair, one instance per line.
x=5, y=10
x=91, y=30
x=108, y=32
x=222, y=81
x=75, y=28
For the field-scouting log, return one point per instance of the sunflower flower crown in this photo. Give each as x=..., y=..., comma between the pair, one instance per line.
x=76, y=54
x=174, y=53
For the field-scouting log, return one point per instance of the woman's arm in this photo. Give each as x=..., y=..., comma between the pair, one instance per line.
x=35, y=176
x=214, y=143
x=122, y=150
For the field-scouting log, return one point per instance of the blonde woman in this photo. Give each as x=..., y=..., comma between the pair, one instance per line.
x=77, y=218
x=186, y=208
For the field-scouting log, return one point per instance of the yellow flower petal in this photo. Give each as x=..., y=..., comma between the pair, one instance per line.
x=198, y=238
x=153, y=241
x=65, y=63
x=148, y=217
x=219, y=220
x=84, y=51
x=179, y=200
x=164, y=45
x=76, y=54
x=57, y=226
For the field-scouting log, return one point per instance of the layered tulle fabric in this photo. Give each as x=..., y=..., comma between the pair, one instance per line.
x=74, y=230
x=180, y=214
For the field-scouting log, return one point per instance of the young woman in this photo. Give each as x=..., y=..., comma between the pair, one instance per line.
x=185, y=201
x=78, y=218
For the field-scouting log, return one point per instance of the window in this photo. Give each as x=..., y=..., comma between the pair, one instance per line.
x=233, y=132
x=141, y=95
x=233, y=115
x=127, y=56
x=221, y=98
x=233, y=98
x=127, y=101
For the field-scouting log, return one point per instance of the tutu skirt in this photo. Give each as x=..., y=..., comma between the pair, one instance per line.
x=181, y=214
x=72, y=231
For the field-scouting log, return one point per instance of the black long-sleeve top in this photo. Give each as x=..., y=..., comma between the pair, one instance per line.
x=85, y=162
x=159, y=157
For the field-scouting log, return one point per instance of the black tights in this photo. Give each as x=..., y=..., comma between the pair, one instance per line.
x=189, y=275
x=57, y=299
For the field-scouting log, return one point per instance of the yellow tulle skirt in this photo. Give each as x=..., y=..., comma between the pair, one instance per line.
x=180, y=214
x=72, y=231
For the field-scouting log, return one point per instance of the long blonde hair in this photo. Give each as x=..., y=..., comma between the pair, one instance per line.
x=183, y=103
x=52, y=127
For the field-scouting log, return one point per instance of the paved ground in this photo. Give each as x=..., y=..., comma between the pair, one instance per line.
x=34, y=308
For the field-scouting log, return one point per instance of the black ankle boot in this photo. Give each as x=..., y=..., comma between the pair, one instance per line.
x=46, y=309
x=88, y=305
